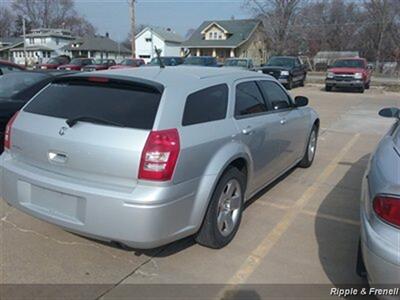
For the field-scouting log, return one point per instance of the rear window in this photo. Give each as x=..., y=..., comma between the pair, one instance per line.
x=133, y=107
x=206, y=105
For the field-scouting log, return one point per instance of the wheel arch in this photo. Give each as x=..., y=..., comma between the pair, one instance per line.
x=235, y=155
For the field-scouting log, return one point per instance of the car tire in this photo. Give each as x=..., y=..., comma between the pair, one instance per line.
x=328, y=88
x=360, y=266
x=367, y=86
x=222, y=219
x=309, y=155
x=361, y=89
x=302, y=82
x=289, y=85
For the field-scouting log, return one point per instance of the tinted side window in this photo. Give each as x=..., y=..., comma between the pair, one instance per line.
x=275, y=95
x=206, y=105
x=248, y=99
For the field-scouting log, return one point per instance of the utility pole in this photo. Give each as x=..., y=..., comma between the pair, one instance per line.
x=133, y=28
x=24, y=37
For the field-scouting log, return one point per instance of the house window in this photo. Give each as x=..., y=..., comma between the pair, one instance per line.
x=31, y=41
x=57, y=41
x=215, y=35
x=43, y=40
x=210, y=35
x=148, y=40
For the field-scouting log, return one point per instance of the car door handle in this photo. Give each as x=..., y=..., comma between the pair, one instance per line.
x=248, y=130
x=283, y=121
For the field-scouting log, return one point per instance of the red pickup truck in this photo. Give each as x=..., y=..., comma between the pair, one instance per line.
x=351, y=73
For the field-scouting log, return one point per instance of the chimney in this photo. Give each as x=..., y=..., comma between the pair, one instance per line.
x=107, y=35
x=168, y=29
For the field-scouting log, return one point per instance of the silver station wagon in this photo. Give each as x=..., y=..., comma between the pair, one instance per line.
x=146, y=156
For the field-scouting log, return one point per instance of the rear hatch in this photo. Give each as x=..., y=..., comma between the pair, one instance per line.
x=109, y=122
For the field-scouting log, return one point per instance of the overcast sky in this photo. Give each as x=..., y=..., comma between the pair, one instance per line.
x=181, y=15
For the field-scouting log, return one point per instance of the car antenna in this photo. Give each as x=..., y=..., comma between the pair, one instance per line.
x=158, y=52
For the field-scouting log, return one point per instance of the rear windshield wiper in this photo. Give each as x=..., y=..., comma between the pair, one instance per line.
x=72, y=121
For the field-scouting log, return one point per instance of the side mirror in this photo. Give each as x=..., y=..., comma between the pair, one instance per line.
x=390, y=112
x=301, y=101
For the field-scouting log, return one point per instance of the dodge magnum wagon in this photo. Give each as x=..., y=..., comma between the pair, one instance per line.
x=146, y=156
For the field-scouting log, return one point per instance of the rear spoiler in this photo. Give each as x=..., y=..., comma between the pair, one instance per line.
x=103, y=79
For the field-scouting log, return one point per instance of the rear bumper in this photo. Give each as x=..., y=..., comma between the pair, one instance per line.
x=381, y=257
x=144, y=217
x=344, y=84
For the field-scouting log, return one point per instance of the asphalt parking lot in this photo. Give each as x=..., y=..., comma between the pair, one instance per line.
x=302, y=230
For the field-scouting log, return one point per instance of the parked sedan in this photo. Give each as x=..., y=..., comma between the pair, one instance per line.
x=185, y=148
x=99, y=64
x=77, y=64
x=16, y=89
x=205, y=61
x=7, y=67
x=54, y=63
x=380, y=208
x=129, y=63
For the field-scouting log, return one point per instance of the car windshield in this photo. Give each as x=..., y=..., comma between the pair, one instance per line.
x=281, y=62
x=348, y=63
x=54, y=61
x=100, y=61
x=236, y=63
x=13, y=83
x=168, y=61
x=193, y=60
x=76, y=61
x=128, y=62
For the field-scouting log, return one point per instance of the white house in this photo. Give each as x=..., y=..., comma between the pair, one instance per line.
x=163, y=38
x=41, y=44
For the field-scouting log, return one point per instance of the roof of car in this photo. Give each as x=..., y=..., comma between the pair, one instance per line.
x=177, y=73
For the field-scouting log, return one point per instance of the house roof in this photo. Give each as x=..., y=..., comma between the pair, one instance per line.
x=45, y=32
x=11, y=40
x=8, y=43
x=96, y=43
x=33, y=48
x=165, y=34
x=239, y=32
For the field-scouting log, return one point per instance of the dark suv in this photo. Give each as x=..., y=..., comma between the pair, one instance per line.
x=289, y=70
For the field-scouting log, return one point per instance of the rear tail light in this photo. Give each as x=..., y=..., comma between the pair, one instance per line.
x=7, y=132
x=159, y=155
x=388, y=209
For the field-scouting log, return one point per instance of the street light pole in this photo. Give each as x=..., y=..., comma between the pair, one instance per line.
x=133, y=28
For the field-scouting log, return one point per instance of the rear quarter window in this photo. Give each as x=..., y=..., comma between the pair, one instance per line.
x=134, y=107
x=206, y=105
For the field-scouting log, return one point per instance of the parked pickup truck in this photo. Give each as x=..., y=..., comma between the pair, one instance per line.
x=289, y=70
x=349, y=73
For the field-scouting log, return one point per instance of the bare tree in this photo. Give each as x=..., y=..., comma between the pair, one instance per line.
x=278, y=16
x=6, y=22
x=381, y=16
x=329, y=25
x=53, y=14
